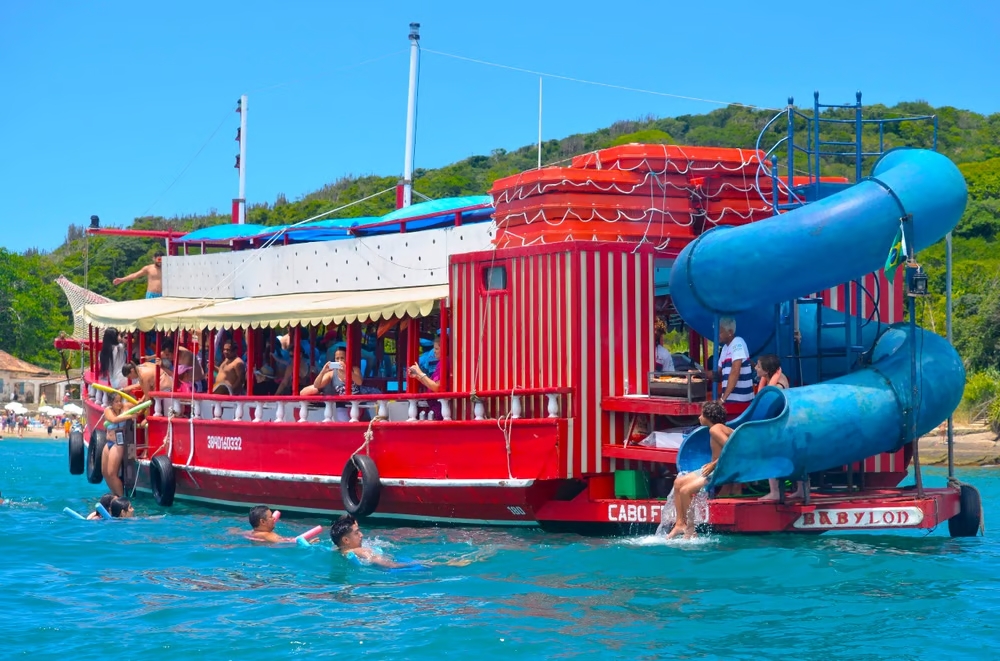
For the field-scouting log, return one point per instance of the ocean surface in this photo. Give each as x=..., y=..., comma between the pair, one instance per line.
x=188, y=585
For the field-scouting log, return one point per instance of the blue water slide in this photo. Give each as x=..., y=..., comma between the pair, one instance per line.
x=745, y=272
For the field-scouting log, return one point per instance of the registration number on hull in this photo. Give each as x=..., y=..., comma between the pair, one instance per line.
x=634, y=513
x=868, y=517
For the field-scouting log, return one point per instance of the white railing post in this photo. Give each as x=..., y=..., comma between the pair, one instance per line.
x=238, y=413
x=355, y=410
x=445, y=409
x=175, y=406
x=479, y=410
x=383, y=412
x=258, y=411
x=196, y=409
x=217, y=410
x=411, y=410
x=328, y=410
x=553, y=404
x=515, y=406
x=157, y=406
x=279, y=412
x=303, y=411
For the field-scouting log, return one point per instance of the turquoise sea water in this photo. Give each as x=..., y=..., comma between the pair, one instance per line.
x=188, y=586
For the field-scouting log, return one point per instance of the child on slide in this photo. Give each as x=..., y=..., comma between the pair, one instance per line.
x=713, y=416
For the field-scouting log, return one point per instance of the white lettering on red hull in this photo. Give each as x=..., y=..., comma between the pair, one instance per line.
x=225, y=443
x=869, y=517
x=634, y=513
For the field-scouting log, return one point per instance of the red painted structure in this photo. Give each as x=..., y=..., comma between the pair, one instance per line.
x=547, y=347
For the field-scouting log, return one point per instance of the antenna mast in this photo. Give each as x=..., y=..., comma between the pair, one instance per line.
x=404, y=192
x=240, y=203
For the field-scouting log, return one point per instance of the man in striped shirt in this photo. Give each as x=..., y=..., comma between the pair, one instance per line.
x=734, y=364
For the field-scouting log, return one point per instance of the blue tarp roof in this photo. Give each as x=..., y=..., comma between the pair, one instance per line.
x=438, y=213
x=226, y=232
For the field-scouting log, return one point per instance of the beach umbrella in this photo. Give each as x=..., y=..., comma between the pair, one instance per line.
x=73, y=409
x=44, y=409
x=55, y=411
x=13, y=406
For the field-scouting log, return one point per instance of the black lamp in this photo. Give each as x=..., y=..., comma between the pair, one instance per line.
x=95, y=223
x=918, y=283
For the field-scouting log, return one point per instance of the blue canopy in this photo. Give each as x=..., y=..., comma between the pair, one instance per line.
x=438, y=213
x=225, y=232
x=434, y=213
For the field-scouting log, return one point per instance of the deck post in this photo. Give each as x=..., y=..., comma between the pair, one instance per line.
x=355, y=411
x=553, y=408
x=445, y=409
x=328, y=411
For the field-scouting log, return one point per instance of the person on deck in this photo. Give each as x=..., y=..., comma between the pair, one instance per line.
x=662, y=357
x=433, y=382
x=153, y=274
x=111, y=458
x=735, y=370
x=113, y=356
x=185, y=358
x=145, y=374
x=264, y=384
x=232, y=376
x=686, y=486
x=769, y=370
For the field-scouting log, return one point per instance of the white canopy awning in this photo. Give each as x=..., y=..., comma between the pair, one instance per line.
x=139, y=314
x=267, y=311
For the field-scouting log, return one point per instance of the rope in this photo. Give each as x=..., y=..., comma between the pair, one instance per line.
x=369, y=435
x=592, y=82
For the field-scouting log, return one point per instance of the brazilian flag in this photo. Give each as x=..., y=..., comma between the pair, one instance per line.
x=897, y=255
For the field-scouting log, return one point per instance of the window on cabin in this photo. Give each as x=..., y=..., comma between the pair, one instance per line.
x=495, y=278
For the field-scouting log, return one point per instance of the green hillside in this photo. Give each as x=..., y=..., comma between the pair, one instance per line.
x=33, y=311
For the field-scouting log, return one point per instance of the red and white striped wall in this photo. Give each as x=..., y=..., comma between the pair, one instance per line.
x=574, y=315
x=891, y=309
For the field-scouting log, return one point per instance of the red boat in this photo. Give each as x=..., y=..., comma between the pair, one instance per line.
x=546, y=410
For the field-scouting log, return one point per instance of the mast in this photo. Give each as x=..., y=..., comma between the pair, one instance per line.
x=406, y=186
x=240, y=203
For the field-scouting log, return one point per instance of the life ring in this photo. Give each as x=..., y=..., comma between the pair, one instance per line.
x=76, y=454
x=108, y=389
x=360, y=474
x=970, y=514
x=162, y=480
x=94, y=454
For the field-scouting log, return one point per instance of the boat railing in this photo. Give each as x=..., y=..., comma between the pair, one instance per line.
x=523, y=403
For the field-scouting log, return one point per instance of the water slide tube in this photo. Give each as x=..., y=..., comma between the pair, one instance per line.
x=744, y=272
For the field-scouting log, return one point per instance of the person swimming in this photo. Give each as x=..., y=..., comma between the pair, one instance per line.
x=121, y=508
x=262, y=521
x=106, y=502
x=347, y=536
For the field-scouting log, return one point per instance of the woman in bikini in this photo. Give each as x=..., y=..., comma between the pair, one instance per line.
x=769, y=371
x=111, y=458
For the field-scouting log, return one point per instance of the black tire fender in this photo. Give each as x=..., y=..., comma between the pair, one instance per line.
x=360, y=471
x=162, y=480
x=76, y=453
x=95, y=453
x=966, y=523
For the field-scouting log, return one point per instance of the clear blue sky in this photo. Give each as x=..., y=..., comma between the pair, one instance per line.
x=105, y=103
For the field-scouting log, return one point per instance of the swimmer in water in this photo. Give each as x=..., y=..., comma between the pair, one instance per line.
x=121, y=508
x=106, y=501
x=262, y=521
x=347, y=536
